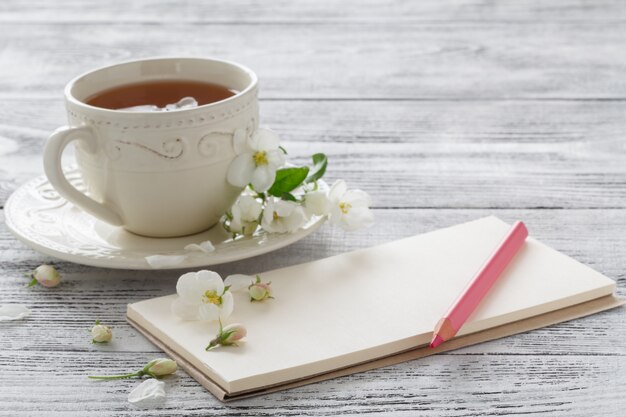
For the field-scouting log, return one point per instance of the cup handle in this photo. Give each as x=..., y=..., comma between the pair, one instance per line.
x=52, y=167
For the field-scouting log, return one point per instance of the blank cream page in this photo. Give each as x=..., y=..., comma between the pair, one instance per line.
x=358, y=306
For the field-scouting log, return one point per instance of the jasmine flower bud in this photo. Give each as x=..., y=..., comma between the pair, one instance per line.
x=46, y=275
x=259, y=291
x=160, y=367
x=101, y=333
x=156, y=368
x=228, y=336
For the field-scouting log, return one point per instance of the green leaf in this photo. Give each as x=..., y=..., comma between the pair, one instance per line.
x=320, y=161
x=287, y=179
x=288, y=197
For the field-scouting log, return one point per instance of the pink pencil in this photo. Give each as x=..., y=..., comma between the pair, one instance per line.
x=479, y=286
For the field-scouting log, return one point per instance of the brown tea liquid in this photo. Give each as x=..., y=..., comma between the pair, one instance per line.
x=159, y=93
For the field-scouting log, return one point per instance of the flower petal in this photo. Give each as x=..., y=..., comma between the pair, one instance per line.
x=248, y=208
x=358, y=218
x=266, y=140
x=239, y=141
x=357, y=198
x=295, y=220
x=212, y=280
x=263, y=178
x=227, y=306
x=337, y=190
x=13, y=312
x=284, y=208
x=149, y=394
x=240, y=171
x=192, y=285
x=184, y=310
x=206, y=247
x=316, y=203
x=161, y=261
x=275, y=158
x=209, y=312
x=238, y=282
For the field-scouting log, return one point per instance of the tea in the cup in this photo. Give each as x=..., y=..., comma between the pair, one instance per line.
x=159, y=95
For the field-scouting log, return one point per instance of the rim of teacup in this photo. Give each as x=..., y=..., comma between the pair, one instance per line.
x=69, y=96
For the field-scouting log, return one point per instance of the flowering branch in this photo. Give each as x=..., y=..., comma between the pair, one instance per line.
x=292, y=198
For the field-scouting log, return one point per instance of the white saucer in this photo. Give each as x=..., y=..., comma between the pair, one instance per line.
x=39, y=217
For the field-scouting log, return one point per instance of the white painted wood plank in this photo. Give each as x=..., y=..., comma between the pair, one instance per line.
x=439, y=385
x=465, y=60
x=308, y=11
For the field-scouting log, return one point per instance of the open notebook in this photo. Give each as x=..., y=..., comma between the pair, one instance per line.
x=364, y=305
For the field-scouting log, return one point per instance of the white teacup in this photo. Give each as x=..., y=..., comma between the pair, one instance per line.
x=159, y=174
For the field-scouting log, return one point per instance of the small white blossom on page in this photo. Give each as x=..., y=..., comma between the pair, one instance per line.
x=202, y=296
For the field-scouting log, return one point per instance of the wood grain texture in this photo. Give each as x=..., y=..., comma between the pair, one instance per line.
x=445, y=111
x=344, y=61
x=308, y=11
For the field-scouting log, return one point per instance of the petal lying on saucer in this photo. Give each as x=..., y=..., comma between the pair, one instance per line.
x=149, y=394
x=160, y=261
x=206, y=247
x=13, y=312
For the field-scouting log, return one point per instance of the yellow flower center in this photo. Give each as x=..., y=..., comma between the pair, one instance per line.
x=345, y=207
x=212, y=297
x=276, y=216
x=260, y=158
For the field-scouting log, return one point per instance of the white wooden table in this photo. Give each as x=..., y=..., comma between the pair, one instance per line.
x=443, y=111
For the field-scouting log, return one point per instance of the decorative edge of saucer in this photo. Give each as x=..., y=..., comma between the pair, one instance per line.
x=232, y=250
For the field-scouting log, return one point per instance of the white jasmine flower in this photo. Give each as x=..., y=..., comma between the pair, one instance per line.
x=13, y=312
x=245, y=212
x=160, y=261
x=282, y=216
x=46, y=275
x=149, y=394
x=202, y=296
x=101, y=333
x=228, y=336
x=257, y=160
x=206, y=247
x=316, y=203
x=349, y=208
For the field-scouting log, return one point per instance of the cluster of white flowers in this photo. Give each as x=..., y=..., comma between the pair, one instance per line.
x=285, y=203
x=204, y=296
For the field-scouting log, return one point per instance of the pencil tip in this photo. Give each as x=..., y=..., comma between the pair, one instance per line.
x=437, y=340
